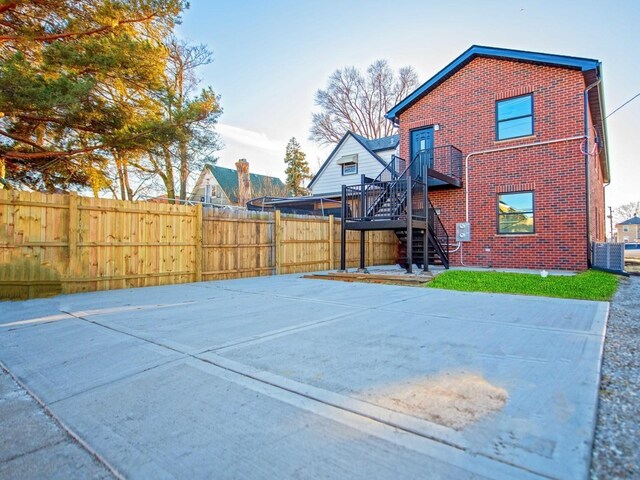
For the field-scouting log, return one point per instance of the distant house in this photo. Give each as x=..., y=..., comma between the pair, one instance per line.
x=353, y=156
x=226, y=186
x=629, y=230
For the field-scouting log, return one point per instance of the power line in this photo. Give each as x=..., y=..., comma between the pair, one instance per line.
x=628, y=101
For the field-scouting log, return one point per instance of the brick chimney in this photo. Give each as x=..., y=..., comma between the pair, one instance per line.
x=244, y=182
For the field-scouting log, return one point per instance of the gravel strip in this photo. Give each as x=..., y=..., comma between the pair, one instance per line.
x=616, y=450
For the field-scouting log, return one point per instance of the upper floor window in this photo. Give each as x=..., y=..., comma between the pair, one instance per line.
x=348, y=164
x=515, y=212
x=625, y=228
x=349, y=168
x=514, y=117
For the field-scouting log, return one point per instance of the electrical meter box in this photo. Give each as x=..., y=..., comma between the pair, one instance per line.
x=463, y=232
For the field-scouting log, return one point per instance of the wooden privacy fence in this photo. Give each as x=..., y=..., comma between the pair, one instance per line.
x=53, y=244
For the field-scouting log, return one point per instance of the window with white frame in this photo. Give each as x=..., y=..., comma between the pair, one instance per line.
x=348, y=164
x=349, y=168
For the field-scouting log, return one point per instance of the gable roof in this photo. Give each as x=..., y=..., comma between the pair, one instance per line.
x=370, y=145
x=228, y=180
x=631, y=221
x=590, y=68
x=577, y=63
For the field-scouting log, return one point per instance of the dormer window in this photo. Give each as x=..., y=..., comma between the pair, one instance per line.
x=349, y=164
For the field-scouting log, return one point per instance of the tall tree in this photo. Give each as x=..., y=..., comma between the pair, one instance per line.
x=357, y=102
x=297, y=169
x=193, y=116
x=63, y=64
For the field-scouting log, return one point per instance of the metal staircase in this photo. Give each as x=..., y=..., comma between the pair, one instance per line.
x=395, y=200
x=437, y=247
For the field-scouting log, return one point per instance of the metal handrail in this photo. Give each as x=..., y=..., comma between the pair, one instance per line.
x=438, y=229
x=437, y=158
x=380, y=199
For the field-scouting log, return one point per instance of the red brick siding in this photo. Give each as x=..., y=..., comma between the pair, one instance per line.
x=464, y=106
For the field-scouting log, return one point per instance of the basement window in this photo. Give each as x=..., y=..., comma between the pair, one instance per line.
x=514, y=117
x=515, y=213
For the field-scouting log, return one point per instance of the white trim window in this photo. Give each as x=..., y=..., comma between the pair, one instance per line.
x=349, y=168
x=349, y=164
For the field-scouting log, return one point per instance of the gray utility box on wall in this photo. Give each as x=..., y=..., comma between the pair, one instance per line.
x=463, y=232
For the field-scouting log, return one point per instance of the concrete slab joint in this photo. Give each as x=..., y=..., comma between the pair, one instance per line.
x=283, y=377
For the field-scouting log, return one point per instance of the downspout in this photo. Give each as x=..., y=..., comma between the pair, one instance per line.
x=586, y=167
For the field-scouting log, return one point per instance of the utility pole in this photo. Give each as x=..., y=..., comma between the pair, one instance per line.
x=610, y=217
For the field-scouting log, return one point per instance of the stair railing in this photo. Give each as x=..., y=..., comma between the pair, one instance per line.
x=439, y=233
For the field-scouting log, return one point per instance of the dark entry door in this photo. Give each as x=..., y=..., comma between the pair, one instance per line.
x=421, y=151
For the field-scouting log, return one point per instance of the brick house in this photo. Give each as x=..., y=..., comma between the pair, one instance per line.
x=513, y=145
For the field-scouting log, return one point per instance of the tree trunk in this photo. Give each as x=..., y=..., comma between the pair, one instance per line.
x=3, y=172
x=126, y=192
x=168, y=180
x=127, y=185
x=116, y=157
x=184, y=169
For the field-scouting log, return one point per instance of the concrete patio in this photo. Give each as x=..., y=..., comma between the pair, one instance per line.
x=281, y=377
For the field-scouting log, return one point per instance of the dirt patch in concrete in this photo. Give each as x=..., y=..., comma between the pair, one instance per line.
x=452, y=400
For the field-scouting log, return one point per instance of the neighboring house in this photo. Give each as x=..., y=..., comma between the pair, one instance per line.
x=225, y=186
x=353, y=156
x=629, y=230
x=512, y=142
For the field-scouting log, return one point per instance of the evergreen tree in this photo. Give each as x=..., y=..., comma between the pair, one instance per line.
x=297, y=169
x=77, y=80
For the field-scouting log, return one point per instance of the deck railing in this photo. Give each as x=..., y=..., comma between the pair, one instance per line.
x=446, y=159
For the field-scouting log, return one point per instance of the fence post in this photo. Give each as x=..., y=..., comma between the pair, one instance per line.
x=343, y=230
x=331, y=244
x=277, y=242
x=72, y=234
x=198, y=253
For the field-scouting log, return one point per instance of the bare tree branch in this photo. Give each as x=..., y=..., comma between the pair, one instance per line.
x=357, y=102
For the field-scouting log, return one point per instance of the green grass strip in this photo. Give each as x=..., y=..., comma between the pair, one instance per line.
x=588, y=285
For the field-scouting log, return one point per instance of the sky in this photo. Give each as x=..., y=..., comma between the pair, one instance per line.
x=270, y=57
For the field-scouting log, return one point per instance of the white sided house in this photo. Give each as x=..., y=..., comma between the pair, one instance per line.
x=354, y=155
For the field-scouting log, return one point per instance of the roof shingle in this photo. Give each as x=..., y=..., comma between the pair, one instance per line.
x=228, y=180
x=631, y=221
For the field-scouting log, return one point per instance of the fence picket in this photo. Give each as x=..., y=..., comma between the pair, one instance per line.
x=52, y=243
